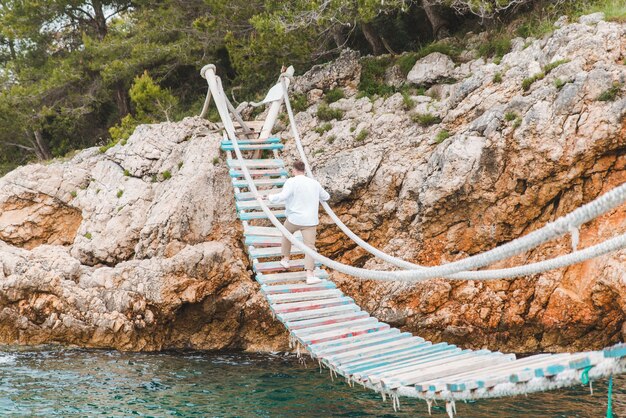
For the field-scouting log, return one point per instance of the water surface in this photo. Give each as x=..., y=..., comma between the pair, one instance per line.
x=74, y=382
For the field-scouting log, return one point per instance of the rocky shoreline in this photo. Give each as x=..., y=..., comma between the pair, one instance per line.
x=138, y=247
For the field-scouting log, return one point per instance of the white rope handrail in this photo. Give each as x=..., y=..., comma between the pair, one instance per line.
x=550, y=231
x=408, y=275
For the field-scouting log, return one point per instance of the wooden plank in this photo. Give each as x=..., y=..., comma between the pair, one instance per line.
x=450, y=369
x=344, y=333
x=319, y=349
x=253, y=204
x=342, y=325
x=389, y=378
x=328, y=352
x=262, y=193
x=252, y=163
x=394, y=359
x=334, y=319
x=267, y=252
x=276, y=266
x=259, y=182
x=303, y=296
x=274, y=172
x=312, y=305
x=292, y=276
x=373, y=372
x=264, y=241
x=367, y=352
x=296, y=288
x=231, y=147
x=247, y=216
x=265, y=231
x=617, y=351
x=272, y=140
x=317, y=313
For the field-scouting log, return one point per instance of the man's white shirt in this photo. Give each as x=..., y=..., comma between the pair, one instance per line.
x=301, y=195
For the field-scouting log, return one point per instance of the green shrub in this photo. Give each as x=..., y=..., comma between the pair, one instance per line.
x=331, y=139
x=610, y=94
x=517, y=123
x=73, y=193
x=333, y=95
x=425, y=119
x=109, y=145
x=509, y=116
x=361, y=135
x=553, y=65
x=407, y=102
x=527, y=82
x=496, y=46
x=325, y=127
x=88, y=235
x=352, y=128
x=154, y=178
x=558, y=83
x=120, y=193
x=443, y=47
x=299, y=102
x=373, y=76
x=327, y=113
x=497, y=78
x=442, y=136
x=216, y=160
x=180, y=165
x=406, y=62
x=318, y=151
x=166, y=175
x=126, y=173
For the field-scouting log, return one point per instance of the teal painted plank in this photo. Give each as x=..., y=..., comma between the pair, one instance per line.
x=333, y=319
x=295, y=288
x=259, y=182
x=247, y=216
x=256, y=163
x=617, y=351
x=423, y=351
x=272, y=140
x=276, y=172
x=346, y=348
x=292, y=276
x=253, y=147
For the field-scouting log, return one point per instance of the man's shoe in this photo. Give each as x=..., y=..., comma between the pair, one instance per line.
x=313, y=280
x=285, y=264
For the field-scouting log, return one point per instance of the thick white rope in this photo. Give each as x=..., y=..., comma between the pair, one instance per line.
x=563, y=225
x=409, y=275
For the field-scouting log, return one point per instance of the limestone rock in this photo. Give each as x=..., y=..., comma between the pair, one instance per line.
x=431, y=68
x=343, y=72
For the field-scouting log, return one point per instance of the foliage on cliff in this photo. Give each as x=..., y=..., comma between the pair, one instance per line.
x=66, y=66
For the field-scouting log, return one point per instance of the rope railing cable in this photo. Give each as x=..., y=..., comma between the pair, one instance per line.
x=559, y=227
x=407, y=275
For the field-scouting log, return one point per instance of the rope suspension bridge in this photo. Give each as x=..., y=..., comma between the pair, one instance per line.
x=349, y=342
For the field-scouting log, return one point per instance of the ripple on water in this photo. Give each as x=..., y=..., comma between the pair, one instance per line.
x=70, y=382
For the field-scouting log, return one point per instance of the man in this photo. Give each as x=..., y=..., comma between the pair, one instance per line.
x=301, y=195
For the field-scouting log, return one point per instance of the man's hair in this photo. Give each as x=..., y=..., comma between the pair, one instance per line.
x=298, y=165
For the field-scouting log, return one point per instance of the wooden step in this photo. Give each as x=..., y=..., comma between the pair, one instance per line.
x=365, y=352
x=263, y=193
x=297, y=288
x=325, y=328
x=268, y=266
x=263, y=241
x=266, y=231
x=282, y=308
x=361, y=339
x=344, y=333
x=274, y=172
x=256, y=163
x=254, y=205
x=259, y=182
x=303, y=296
x=317, y=313
x=272, y=140
x=252, y=147
x=292, y=276
x=247, y=216
x=268, y=252
x=334, y=319
x=329, y=352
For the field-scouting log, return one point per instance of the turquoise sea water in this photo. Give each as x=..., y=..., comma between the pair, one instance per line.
x=72, y=382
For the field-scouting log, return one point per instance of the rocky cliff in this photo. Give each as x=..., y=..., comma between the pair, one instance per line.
x=138, y=247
